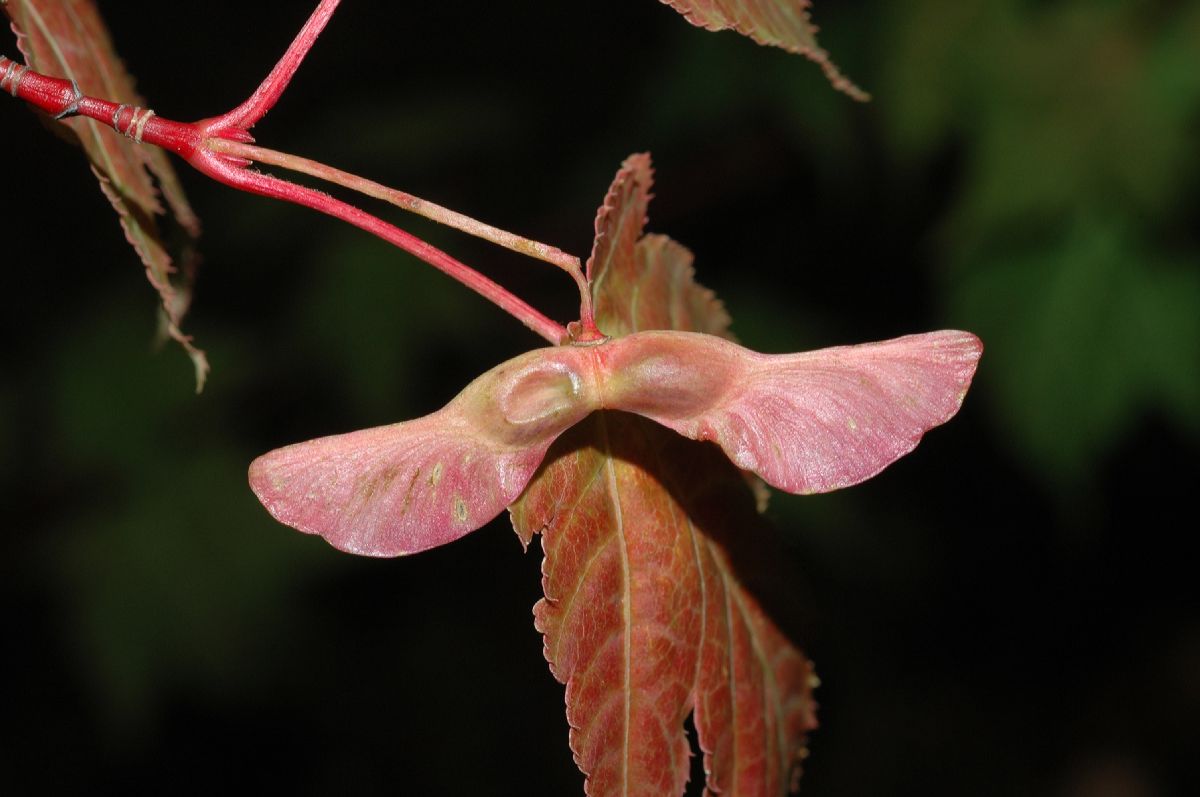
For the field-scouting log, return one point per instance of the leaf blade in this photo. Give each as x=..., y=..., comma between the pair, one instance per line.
x=620, y=220
x=612, y=629
x=680, y=509
x=69, y=39
x=655, y=288
x=771, y=672
x=681, y=506
x=776, y=23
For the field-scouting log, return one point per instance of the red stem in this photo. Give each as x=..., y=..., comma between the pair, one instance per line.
x=199, y=144
x=402, y=200
x=586, y=330
x=246, y=115
x=237, y=176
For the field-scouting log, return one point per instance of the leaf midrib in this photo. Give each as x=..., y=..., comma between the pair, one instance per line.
x=70, y=74
x=626, y=600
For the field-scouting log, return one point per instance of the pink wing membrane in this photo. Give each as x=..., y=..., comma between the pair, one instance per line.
x=396, y=489
x=411, y=486
x=822, y=420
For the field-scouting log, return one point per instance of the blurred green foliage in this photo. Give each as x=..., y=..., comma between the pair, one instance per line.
x=1079, y=124
x=1088, y=332
x=165, y=571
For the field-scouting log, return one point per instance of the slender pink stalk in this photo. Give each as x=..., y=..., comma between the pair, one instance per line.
x=235, y=175
x=403, y=200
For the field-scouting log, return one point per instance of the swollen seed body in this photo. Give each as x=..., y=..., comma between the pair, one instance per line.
x=658, y=374
x=532, y=397
x=668, y=374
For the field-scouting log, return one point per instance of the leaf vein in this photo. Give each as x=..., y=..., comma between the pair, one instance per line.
x=626, y=602
x=772, y=705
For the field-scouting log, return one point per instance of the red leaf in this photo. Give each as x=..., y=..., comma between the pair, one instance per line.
x=644, y=282
x=780, y=23
x=67, y=38
x=658, y=292
x=644, y=617
x=620, y=219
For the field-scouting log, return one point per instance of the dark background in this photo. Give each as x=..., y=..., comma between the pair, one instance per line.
x=1009, y=610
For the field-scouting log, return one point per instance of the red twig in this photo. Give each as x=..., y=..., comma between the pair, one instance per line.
x=243, y=117
x=206, y=145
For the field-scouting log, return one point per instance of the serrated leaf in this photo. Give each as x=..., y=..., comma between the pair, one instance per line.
x=67, y=38
x=620, y=220
x=777, y=23
x=659, y=292
x=644, y=281
x=644, y=619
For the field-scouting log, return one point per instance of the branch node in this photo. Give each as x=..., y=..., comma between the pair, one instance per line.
x=73, y=108
x=139, y=126
x=136, y=126
x=12, y=77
